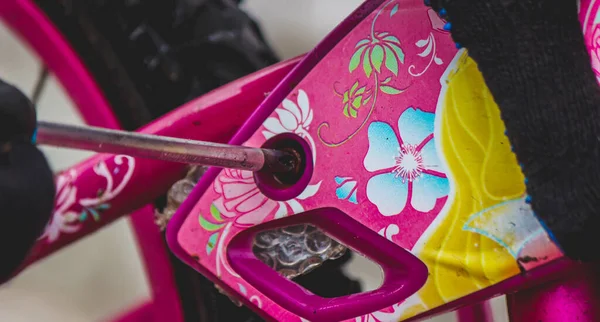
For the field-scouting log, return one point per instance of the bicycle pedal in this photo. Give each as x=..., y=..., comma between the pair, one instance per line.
x=406, y=163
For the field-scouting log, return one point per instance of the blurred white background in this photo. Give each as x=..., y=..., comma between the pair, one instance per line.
x=102, y=274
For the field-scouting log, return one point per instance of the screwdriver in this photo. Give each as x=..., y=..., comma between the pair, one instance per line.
x=164, y=148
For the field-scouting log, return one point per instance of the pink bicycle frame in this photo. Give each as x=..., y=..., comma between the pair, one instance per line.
x=132, y=192
x=103, y=188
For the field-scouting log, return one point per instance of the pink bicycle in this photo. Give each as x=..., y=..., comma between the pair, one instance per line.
x=395, y=169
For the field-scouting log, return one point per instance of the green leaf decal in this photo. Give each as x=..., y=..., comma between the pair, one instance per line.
x=354, y=87
x=387, y=80
x=391, y=90
x=391, y=39
x=356, y=102
x=367, y=63
x=94, y=213
x=377, y=57
x=212, y=242
x=216, y=214
x=207, y=225
x=355, y=60
x=360, y=91
x=353, y=113
x=346, y=106
x=390, y=61
x=394, y=10
x=345, y=97
x=367, y=99
x=397, y=50
x=362, y=43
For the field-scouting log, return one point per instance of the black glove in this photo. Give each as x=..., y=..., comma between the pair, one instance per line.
x=533, y=58
x=26, y=181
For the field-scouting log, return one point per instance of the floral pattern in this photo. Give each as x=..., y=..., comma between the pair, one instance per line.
x=71, y=210
x=390, y=231
x=214, y=224
x=376, y=49
x=429, y=44
x=378, y=156
x=382, y=161
x=354, y=98
x=240, y=199
x=346, y=189
x=429, y=47
x=405, y=166
x=292, y=118
x=378, y=53
x=64, y=220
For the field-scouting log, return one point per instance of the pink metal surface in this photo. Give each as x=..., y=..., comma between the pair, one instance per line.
x=30, y=23
x=111, y=186
x=471, y=225
x=303, y=116
x=389, y=102
x=480, y=312
x=105, y=187
x=404, y=274
x=68, y=225
x=165, y=299
x=573, y=297
x=538, y=276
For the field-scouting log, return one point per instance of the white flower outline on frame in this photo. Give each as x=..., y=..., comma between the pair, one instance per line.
x=292, y=117
x=65, y=220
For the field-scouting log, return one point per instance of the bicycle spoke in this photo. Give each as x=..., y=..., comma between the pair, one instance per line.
x=39, y=85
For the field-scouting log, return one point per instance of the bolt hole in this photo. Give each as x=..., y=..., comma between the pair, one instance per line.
x=286, y=185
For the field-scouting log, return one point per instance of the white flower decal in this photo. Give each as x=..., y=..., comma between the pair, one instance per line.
x=71, y=210
x=292, y=118
x=390, y=231
x=239, y=197
x=63, y=219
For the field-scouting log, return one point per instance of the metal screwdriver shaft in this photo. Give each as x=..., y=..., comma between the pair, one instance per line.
x=164, y=148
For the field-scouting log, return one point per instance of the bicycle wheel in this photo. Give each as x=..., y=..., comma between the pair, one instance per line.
x=148, y=58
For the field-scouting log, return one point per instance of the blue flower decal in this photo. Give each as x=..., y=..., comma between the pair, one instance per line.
x=346, y=189
x=405, y=164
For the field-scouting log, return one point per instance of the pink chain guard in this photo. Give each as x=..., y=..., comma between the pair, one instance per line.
x=411, y=169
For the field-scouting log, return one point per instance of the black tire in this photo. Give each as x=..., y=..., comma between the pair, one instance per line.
x=149, y=57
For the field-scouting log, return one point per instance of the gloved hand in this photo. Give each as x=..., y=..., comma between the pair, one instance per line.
x=26, y=181
x=533, y=58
